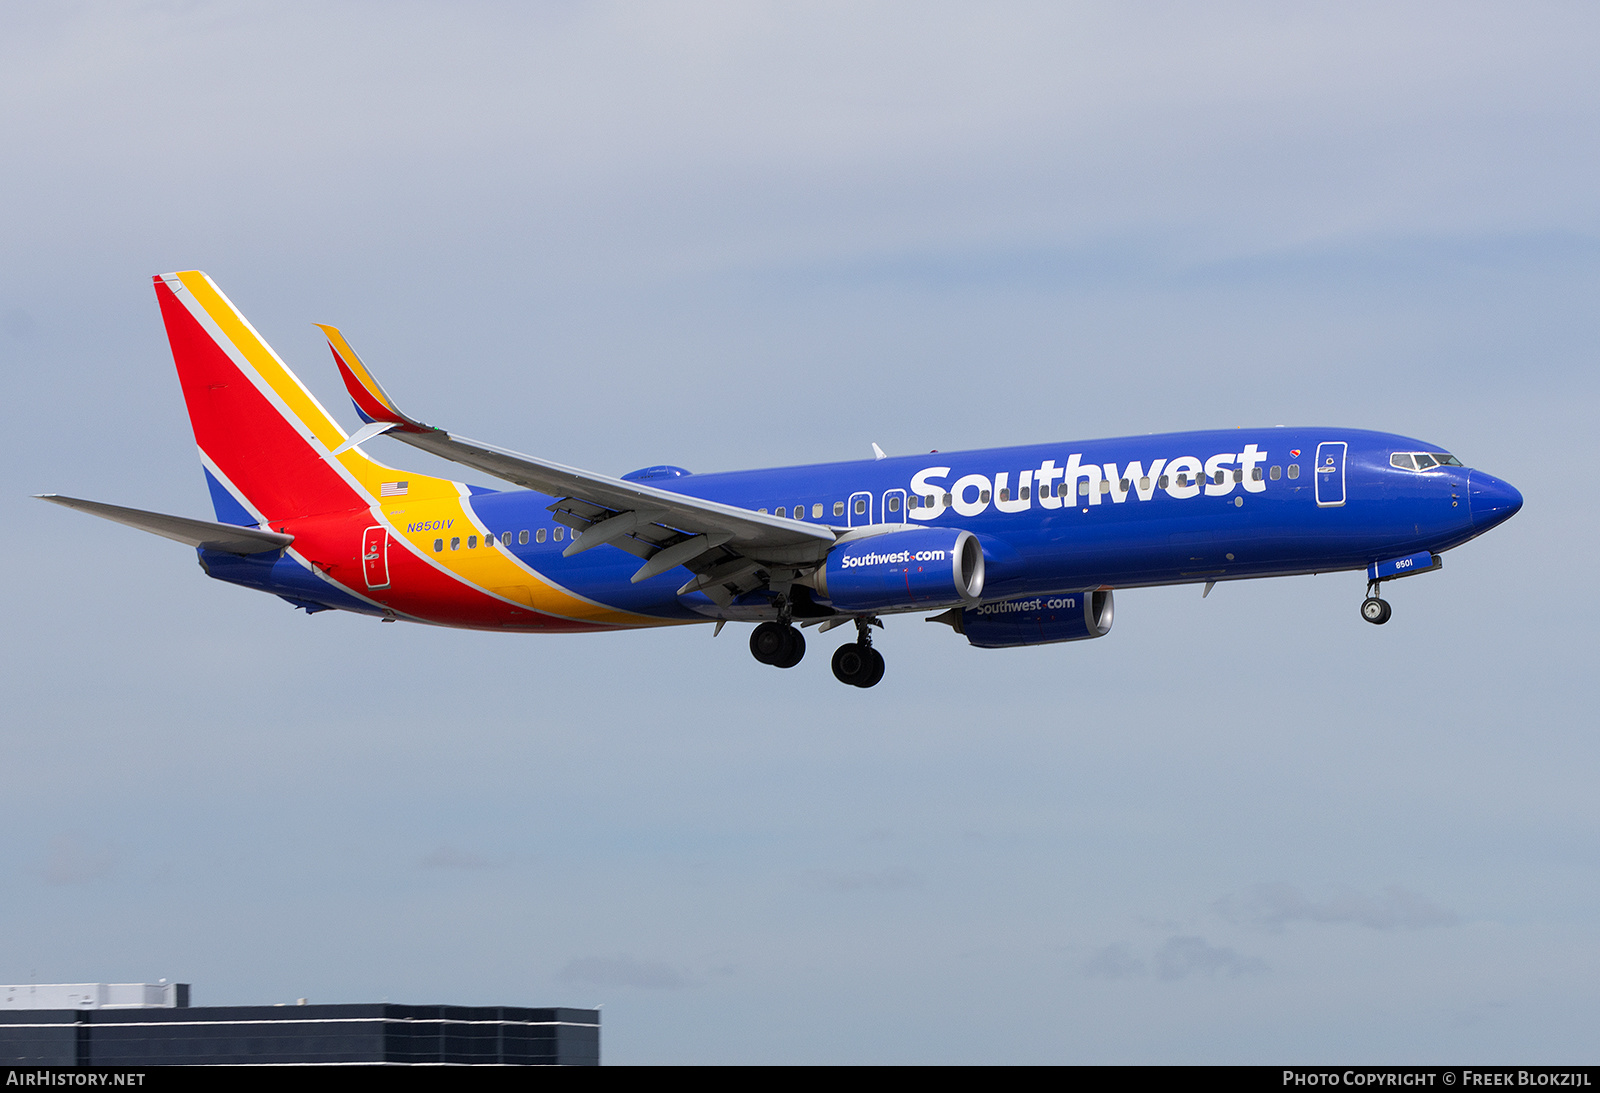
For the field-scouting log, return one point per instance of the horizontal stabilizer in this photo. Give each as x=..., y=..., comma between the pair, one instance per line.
x=228, y=538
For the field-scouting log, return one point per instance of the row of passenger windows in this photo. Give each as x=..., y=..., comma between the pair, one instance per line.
x=1057, y=490
x=471, y=542
x=915, y=501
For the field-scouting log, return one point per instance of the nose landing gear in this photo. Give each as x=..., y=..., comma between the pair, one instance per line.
x=1374, y=609
x=859, y=664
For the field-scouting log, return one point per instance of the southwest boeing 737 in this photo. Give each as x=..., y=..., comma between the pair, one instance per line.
x=1007, y=546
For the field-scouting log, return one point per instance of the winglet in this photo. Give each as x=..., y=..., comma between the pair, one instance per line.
x=372, y=401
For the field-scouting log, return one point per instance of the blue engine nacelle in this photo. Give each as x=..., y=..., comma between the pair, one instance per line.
x=921, y=567
x=1037, y=620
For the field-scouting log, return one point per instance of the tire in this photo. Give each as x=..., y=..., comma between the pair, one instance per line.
x=1376, y=611
x=767, y=642
x=794, y=649
x=849, y=663
x=874, y=669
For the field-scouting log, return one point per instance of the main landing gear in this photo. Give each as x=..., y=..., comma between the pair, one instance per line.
x=777, y=644
x=858, y=664
x=1373, y=609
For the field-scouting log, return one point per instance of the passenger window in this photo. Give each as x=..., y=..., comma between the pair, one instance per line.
x=782, y=511
x=1123, y=485
x=1294, y=470
x=914, y=502
x=1238, y=474
x=560, y=534
x=1027, y=493
x=1005, y=494
x=816, y=511
x=799, y=512
x=1183, y=480
x=1255, y=474
x=1144, y=483
x=763, y=512
x=505, y=538
x=861, y=506
x=947, y=500
x=522, y=536
x=838, y=508
x=539, y=535
x=1105, y=485
x=472, y=542
x=438, y=546
x=894, y=503
x=1163, y=482
x=983, y=497
x=1216, y=479
x=1277, y=473
x=455, y=543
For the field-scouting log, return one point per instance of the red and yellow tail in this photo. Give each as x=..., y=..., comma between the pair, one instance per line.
x=265, y=439
x=271, y=452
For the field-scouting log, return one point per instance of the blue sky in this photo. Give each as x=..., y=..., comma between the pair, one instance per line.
x=1248, y=829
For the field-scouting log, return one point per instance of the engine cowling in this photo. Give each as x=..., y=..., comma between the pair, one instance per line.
x=917, y=568
x=1036, y=620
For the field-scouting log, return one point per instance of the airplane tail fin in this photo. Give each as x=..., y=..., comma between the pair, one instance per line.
x=268, y=445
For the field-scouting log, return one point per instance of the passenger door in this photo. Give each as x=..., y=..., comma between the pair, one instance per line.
x=375, y=557
x=1330, y=473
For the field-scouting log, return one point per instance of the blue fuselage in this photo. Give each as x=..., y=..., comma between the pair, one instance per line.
x=1117, y=513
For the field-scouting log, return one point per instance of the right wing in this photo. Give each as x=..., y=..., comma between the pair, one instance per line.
x=725, y=546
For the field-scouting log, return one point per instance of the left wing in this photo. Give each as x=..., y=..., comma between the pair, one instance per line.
x=728, y=548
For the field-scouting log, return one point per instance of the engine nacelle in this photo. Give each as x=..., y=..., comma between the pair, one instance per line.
x=920, y=567
x=1036, y=620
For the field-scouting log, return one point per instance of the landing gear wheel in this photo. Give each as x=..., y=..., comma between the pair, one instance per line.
x=1376, y=611
x=777, y=644
x=858, y=665
x=874, y=671
x=794, y=648
x=849, y=661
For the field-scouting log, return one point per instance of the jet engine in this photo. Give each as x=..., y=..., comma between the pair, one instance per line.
x=920, y=567
x=1036, y=620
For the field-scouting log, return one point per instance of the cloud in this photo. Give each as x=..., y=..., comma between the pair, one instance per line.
x=1113, y=962
x=75, y=858
x=1269, y=906
x=445, y=856
x=1181, y=957
x=623, y=971
x=881, y=880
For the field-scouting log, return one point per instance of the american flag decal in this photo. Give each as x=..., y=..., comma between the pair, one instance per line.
x=393, y=489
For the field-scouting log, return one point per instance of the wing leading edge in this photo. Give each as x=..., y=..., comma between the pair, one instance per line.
x=725, y=546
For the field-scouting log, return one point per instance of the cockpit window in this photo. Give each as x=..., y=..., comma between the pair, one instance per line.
x=1423, y=461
